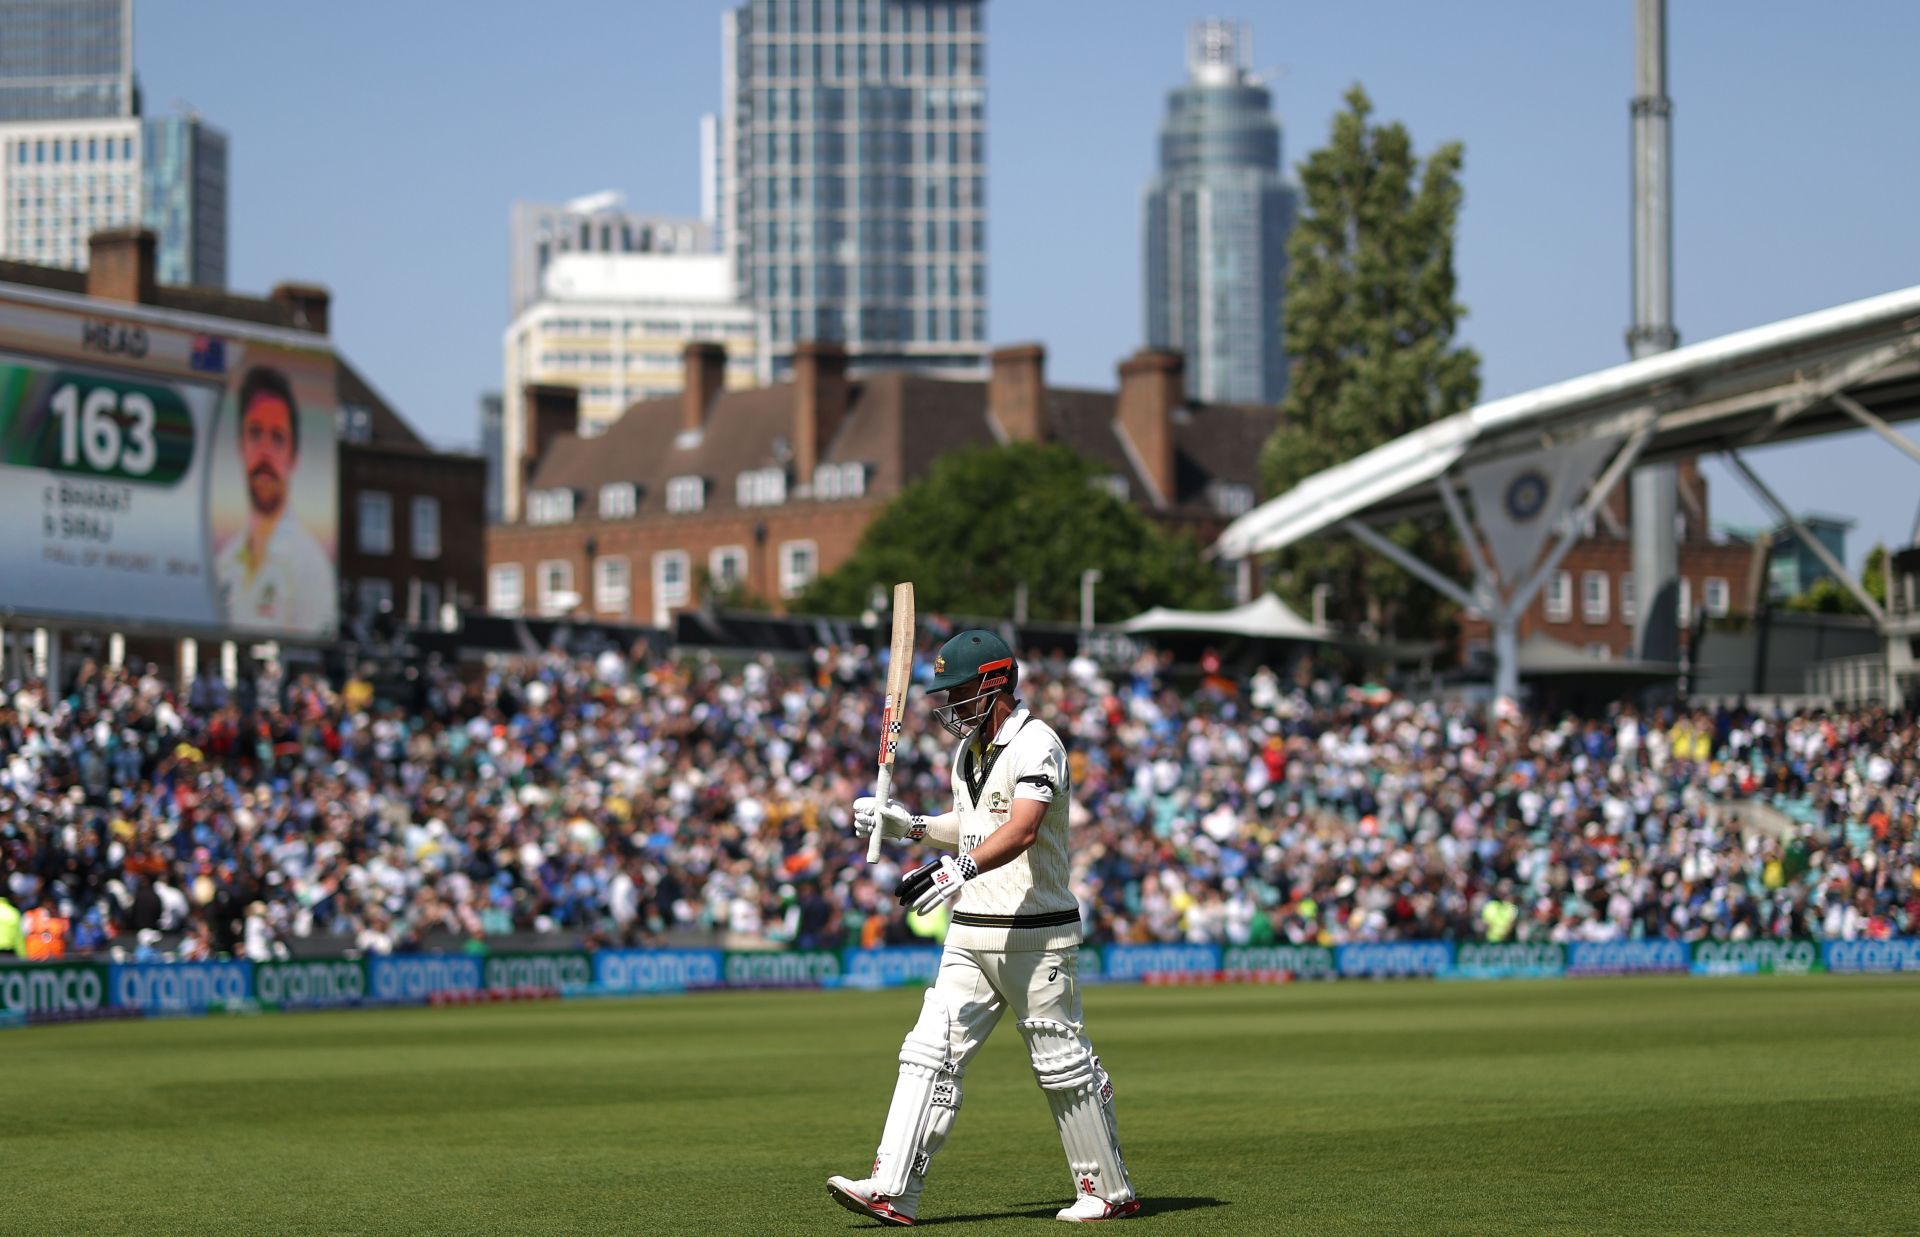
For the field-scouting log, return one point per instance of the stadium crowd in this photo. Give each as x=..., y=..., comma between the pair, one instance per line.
x=622, y=801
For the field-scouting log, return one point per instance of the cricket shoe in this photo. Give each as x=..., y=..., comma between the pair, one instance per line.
x=861, y=1198
x=1091, y=1209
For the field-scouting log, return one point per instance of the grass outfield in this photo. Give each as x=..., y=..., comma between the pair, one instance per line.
x=1625, y=1106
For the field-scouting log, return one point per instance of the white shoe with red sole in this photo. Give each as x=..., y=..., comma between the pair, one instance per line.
x=861, y=1198
x=1089, y=1209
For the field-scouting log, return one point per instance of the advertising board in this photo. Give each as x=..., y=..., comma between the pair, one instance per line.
x=1507, y=960
x=1393, y=959
x=1756, y=957
x=312, y=983
x=1857, y=957
x=557, y=972
x=179, y=987
x=53, y=988
x=656, y=970
x=167, y=470
x=1627, y=958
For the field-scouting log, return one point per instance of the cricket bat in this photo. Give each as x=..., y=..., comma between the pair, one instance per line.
x=894, y=708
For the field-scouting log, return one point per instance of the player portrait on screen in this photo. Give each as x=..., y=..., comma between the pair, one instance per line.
x=273, y=572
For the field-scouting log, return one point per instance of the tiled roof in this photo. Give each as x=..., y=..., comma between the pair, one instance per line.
x=897, y=423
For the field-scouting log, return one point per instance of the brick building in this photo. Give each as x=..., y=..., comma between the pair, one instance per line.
x=1588, y=602
x=757, y=491
x=411, y=517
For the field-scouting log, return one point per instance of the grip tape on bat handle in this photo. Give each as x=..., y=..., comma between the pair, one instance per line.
x=882, y=786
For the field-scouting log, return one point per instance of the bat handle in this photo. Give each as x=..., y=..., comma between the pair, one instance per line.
x=881, y=787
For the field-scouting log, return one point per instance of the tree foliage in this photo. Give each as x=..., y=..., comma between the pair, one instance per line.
x=1370, y=319
x=1828, y=596
x=987, y=519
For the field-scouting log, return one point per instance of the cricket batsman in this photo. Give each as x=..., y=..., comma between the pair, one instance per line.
x=1013, y=943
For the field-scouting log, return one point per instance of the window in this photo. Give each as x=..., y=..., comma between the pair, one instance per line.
x=670, y=578
x=1230, y=499
x=1598, y=651
x=1719, y=597
x=799, y=563
x=426, y=528
x=376, y=523
x=374, y=597
x=840, y=481
x=761, y=487
x=1112, y=483
x=1593, y=596
x=618, y=500
x=1560, y=597
x=686, y=494
x=423, y=604
x=1627, y=611
x=612, y=584
x=550, y=507
x=727, y=568
x=555, y=578
x=1686, y=601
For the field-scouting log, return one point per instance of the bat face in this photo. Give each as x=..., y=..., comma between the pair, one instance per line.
x=899, y=672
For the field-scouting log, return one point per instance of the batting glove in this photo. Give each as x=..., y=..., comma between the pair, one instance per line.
x=894, y=819
x=928, y=886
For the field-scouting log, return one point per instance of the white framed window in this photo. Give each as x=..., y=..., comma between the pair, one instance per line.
x=1115, y=484
x=799, y=563
x=554, y=586
x=612, y=584
x=1229, y=498
x=1719, y=597
x=506, y=591
x=423, y=529
x=727, y=567
x=376, y=522
x=618, y=500
x=844, y=480
x=761, y=487
x=1593, y=596
x=1686, y=601
x=1560, y=597
x=1627, y=611
x=1598, y=650
x=670, y=584
x=686, y=494
x=550, y=507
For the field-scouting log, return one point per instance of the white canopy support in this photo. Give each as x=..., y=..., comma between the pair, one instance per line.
x=1820, y=373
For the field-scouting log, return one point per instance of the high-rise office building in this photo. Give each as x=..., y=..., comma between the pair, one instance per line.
x=76, y=157
x=537, y=233
x=1217, y=218
x=63, y=180
x=615, y=326
x=184, y=199
x=66, y=60
x=853, y=194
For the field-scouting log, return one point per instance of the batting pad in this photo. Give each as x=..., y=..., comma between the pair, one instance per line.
x=1081, y=1096
x=925, y=1100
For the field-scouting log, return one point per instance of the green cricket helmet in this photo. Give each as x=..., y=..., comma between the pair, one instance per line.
x=970, y=656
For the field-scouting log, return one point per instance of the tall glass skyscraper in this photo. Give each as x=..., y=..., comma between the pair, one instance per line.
x=854, y=156
x=1217, y=219
x=185, y=200
x=66, y=59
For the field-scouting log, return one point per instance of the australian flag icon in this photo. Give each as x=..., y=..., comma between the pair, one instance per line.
x=209, y=354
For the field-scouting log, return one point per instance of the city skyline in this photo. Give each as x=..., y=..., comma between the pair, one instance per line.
x=1077, y=89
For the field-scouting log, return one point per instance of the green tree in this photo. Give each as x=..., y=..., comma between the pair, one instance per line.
x=1828, y=596
x=1370, y=319
x=987, y=519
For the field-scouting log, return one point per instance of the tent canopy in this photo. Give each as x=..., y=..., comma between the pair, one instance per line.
x=1265, y=618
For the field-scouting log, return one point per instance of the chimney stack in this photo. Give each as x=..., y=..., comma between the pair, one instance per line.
x=305, y=303
x=705, y=366
x=1017, y=392
x=1152, y=385
x=120, y=265
x=550, y=411
x=819, y=402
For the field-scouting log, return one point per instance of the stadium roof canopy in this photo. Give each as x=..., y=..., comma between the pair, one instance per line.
x=1821, y=373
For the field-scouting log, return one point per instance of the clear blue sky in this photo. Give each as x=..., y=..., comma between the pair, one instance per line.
x=376, y=147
